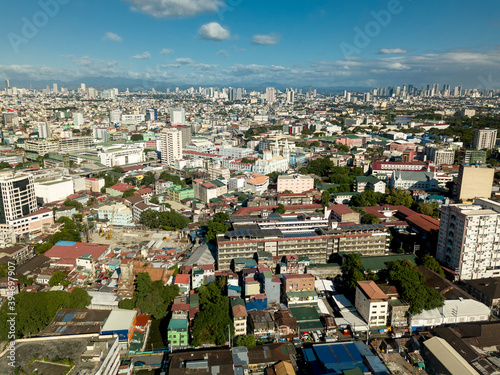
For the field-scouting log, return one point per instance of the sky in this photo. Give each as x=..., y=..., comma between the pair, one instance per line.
x=326, y=44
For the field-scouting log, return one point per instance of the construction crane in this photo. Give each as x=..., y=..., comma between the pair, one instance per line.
x=110, y=231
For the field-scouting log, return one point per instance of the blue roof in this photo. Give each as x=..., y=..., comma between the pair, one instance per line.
x=376, y=365
x=66, y=243
x=335, y=354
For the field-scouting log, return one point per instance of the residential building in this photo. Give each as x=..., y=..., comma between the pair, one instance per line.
x=295, y=183
x=216, y=170
x=474, y=156
x=32, y=224
x=474, y=181
x=17, y=197
x=205, y=191
x=440, y=155
x=170, y=145
x=94, y=184
x=372, y=303
x=178, y=193
x=298, y=282
x=484, y=139
x=178, y=332
x=372, y=183
x=177, y=116
x=240, y=315
x=468, y=241
x=486, y=291
x=258, y=184
x=342, y=214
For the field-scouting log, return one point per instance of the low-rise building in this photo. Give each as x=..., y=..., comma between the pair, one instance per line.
x=372, y=303
x=295, y=183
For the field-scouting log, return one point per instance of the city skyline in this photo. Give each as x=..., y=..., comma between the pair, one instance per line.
x=212, y=42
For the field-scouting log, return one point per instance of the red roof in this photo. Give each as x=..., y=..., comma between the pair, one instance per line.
x=78, y=249
x=142, y=320
x=182, y=278
x=372, y=290
x=121, y=187
x=39, y=212
x=424, y=222
x=341, y=209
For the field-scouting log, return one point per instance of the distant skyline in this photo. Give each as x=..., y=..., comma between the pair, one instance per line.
x=328, y=44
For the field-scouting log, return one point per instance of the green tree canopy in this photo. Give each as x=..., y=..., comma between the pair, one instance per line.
x=431, y=263
x=217, y=225
x=352, y=270
x=165, y=220
x=212, y=322
x=128, y=193
x=280, y=209
x=245, y=340
x=326, y=198
x=370, y=219
x=58, y=278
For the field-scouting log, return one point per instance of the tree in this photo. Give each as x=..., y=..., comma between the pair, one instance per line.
x=131, y=180
x=58, y=278
x=148, y=179
x=280, y=209
x=410, y=284
x=248, y=161
x=370, y=219
x=165, y=220
x=287, y=192
x=367, y=198
x=217, y=225
x=431, y=263
x=128, y=193
x=151, y=297
x=118, y=169
x=212, y=321
x=326, y=198
x=136, y=137
x=36, y=310
x=154, y=200
x=245, y=340
x=430, y=209
x=352, y=270
x=398, y=197
x=5, y=165
x=71, y=203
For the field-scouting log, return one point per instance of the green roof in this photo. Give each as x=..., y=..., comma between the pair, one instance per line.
x=353, y=371
x=378, y=263
x=304, y=313
x=367, y=179
x=237, y=301
x=176, y=324
x=310, y=326
x=302, y=293
x=323, y=265
x=340, y=194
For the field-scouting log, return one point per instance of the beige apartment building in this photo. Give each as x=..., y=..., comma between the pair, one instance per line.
x=474, y=181
x=296, y=183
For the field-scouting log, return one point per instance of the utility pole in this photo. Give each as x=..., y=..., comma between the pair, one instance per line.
x=229, y=332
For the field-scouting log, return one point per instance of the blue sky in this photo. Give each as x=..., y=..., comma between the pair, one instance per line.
x=231, y=42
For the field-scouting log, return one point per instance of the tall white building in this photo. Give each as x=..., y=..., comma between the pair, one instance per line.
x=469, y=239
x=170, y=145
x=177, y=116
x=290, y=96
x=270, y=95
x=484, y=138
x=44, y=130
x=78, y=120
x=115, y=116
x=17, y=196
x=101, y=134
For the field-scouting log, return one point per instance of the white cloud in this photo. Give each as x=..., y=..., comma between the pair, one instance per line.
x=184, y=61
x=223, y=52
x=175, y=8
x=392, y=51
x=266, y=40
x=112, y=37
x=166, y=51
x=142, y=56
x=214, y=31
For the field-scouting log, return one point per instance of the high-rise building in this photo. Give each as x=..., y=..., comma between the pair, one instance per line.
x=468, y=242
x=270, y=95
x=115, y=116
x=54, y=87
x=78, y=119
x=484, y=138
x=186, y=134
x=290, y=96
x=170, y=145
x=44, y=130
x=439, y=155
x=474, y=181
x=151, y=114
x=101, y=134
x=177, y=116
x=17, y=196
x=7, y=84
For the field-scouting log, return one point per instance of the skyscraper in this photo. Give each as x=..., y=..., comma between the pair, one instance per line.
x=290, y=96
x=177, y=116
x=7, y=84
x=170, y=145
x=484, y=138
x=78, y=120
x=44, y=130
x=17, y=196
x=467, y=241
x=270, y=95
x=115, y=116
